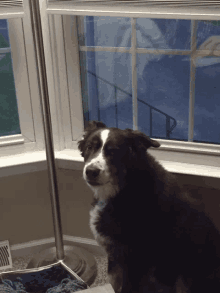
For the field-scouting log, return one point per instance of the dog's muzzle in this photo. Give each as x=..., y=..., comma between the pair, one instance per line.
x=92, y=175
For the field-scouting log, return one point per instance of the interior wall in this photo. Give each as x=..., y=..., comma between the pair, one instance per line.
x=25, y=210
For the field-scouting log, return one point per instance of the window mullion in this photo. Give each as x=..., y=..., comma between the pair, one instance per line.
x=192, y=79
x=73, y=74
x=134, y=73
x=21, y=77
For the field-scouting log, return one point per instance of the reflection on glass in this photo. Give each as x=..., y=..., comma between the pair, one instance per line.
x=106, y=88
x=207, y=29
x=163, y=33
x=104, y=31
x=207, y=101
x=163, y=78
x=163, y=82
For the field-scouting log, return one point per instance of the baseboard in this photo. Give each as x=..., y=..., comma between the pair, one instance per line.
x=33, y=247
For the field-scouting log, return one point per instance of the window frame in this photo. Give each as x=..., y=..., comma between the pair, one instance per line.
x=23, y=152
x=27, y=93
x=176, y=156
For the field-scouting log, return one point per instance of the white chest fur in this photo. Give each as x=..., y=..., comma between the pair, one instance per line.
x=94, y=218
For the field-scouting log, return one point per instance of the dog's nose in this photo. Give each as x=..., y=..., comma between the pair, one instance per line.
x=92, y=172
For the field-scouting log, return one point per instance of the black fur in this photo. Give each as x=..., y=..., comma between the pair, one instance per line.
x=151, y=222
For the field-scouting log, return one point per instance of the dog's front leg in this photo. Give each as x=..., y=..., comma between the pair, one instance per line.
x=115, y=274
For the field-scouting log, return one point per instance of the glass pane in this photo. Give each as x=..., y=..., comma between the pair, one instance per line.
x=9, y=120
x=163, y=33
x=163, y=81
x=207, y=101
x=163, y=85
x=207, y=90
x=207, y=29
x=106, y=88
x=98, y=31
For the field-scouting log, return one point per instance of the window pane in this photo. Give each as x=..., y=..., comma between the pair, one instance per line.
x=207, y=90
x=163, y=33
x=163, y=78
x=163, y=85
x=106, y=88
x=207, y=100
x=94, y=31
x=9, y=120
x=207, y=29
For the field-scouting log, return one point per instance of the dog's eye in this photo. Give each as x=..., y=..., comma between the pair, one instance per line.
x=89, y=147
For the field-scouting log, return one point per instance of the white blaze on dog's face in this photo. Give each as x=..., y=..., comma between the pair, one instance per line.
x=97, y=161
x=96, y=172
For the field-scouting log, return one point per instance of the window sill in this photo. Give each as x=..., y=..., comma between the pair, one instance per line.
x=191, y=169
x=71, y=159
x=22, y=163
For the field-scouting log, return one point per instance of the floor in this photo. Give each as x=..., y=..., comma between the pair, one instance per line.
x=20, y=263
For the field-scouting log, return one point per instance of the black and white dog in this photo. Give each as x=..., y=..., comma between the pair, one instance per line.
x=142, y=217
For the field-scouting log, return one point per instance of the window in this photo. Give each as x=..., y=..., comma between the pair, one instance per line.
x=168, y=78
x=21, y=127
x=176, y=130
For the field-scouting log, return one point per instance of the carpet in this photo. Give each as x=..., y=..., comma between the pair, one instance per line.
x=54, y=278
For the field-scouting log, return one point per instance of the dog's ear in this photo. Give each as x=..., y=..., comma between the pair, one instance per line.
x=91, y=127
x=141, y=141
x=94, y=125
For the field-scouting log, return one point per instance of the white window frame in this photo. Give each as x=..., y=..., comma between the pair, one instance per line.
x=176, y=156
x=23, y=152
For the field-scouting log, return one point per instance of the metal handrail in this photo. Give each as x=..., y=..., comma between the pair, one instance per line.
x=169, y=128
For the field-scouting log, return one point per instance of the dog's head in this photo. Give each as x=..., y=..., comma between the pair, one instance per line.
x=110, y=154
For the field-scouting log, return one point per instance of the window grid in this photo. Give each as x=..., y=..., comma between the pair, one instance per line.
x=192, y=80
x=134, y=51
x=5, y=50
x=134, y=73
